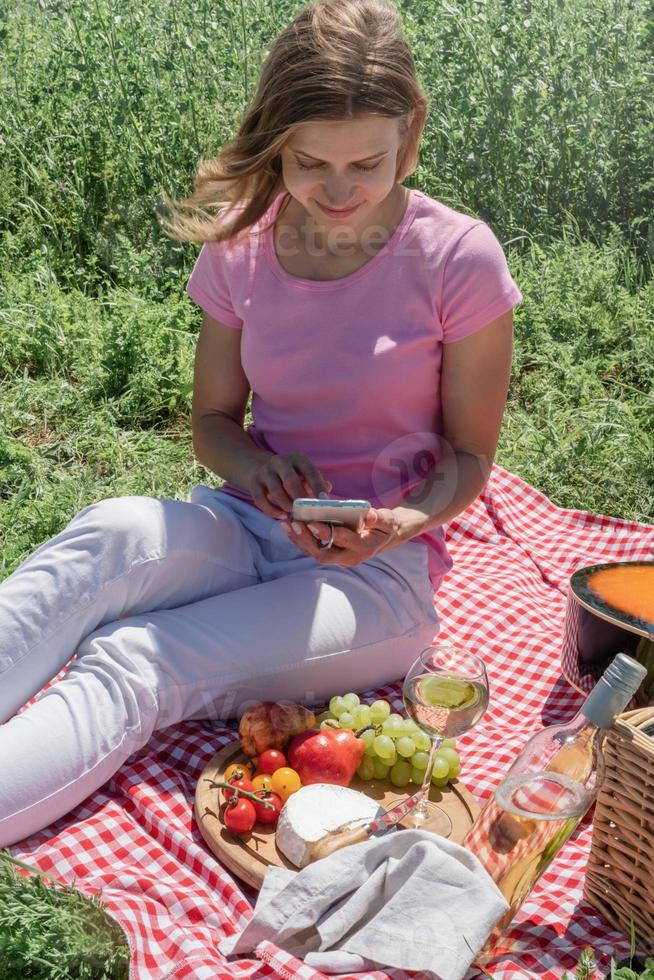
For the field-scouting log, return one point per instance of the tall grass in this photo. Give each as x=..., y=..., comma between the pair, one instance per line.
x=541, y=123
x=539, y=112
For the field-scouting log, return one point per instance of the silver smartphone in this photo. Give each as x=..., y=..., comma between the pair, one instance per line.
x=350, y=513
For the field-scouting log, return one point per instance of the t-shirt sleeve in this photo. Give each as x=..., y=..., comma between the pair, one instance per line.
x=477, y=284
x=208, y=285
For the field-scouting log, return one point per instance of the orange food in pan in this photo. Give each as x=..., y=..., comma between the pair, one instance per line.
x=628, y=588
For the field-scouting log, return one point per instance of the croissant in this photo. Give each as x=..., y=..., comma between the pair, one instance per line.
x=271, y=724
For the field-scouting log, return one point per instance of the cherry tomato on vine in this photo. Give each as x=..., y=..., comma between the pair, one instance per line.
x=240, y=815
x=264, y=814
x=262, y=781
x=244, y=769
x=285, y=781
x=238, y=784
x=270, y=760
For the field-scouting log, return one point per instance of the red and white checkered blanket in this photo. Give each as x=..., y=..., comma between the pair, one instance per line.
x=505, y=598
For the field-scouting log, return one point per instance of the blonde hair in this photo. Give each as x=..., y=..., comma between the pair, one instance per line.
x=336, y=60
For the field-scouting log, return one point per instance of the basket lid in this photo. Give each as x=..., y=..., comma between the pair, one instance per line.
x=638, y=728
x=622, y=592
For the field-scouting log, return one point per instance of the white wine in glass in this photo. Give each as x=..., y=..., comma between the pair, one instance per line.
x=446, y=694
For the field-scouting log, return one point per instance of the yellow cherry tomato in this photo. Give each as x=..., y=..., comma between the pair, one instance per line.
x=262, y=780
x=244, y=767
x=285, y=781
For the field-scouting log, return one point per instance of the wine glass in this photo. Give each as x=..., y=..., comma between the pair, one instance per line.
x=446, y=694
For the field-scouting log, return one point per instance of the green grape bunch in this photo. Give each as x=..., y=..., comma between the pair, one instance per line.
x=396, y=748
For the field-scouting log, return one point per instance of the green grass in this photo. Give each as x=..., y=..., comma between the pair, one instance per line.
x=53, y=932
x=579, y=423
x=541, y=123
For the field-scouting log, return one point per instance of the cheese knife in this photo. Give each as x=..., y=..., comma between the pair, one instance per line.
x=345, y=835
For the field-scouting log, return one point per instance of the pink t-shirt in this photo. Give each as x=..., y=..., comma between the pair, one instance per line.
x=347, y=370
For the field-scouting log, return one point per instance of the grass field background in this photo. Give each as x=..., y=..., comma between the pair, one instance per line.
x=541, y=123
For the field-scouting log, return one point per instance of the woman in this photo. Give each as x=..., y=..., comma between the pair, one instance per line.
x=373, y=326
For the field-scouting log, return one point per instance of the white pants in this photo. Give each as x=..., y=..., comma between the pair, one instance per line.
x=217, y=608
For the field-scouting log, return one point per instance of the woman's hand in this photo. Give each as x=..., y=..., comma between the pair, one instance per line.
x=277, y=481
x=381, y=530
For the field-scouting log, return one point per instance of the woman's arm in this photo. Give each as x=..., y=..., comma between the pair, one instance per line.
x=220, y=395
x=475, y=375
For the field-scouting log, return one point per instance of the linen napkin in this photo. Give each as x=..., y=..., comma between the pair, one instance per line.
x=408, y=900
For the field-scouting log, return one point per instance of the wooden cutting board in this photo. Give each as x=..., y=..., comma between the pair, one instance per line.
x=249, y=856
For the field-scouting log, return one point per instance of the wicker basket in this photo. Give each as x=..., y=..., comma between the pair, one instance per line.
x=620, y=876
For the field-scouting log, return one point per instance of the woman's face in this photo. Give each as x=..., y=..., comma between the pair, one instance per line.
x=348, y=167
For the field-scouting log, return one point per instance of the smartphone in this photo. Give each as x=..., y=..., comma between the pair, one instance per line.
x=350, y=513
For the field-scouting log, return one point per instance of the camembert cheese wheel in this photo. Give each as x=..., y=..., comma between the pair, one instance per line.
x=313, y=811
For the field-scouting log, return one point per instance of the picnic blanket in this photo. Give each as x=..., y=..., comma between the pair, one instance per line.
x=136, y=838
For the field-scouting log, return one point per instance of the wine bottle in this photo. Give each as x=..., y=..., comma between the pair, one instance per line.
x=547, y=790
